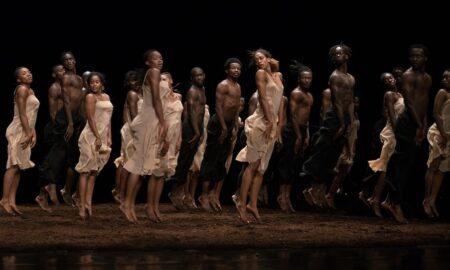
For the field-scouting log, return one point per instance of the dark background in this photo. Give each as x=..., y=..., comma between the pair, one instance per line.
x=111, y=38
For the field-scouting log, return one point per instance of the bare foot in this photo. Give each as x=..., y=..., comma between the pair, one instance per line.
x=241, y=211
x=66, y=197
x=363, y=198
x=151, y=214
x=116, y=196
x=282, y=203
x=16, y=210
x=289, y=205
x=176, y=199
x=375, y=206
x=42, y=202
x=308, y=197
x=127, y=213
x=255, y=213
x=76, y=200
x=330, y=201
x=51, y=190
x=434, y=208
x=7, y=208
x=89, y=210
x=158, y=216
x=204, y=203
x=82, y=213
x=397, y=212
x=214, y=203
x=314, y=197
x=427, y=208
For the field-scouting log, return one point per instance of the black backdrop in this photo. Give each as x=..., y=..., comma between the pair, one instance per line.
x=112, y=39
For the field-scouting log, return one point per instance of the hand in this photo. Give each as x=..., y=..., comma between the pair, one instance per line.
x=268, y=130
x=33, y=139
x=194, y=140
x=98, y=144
x=306, y=143
x=278, y=137
x=223, y=135
x=420, y=135
x=162, y=132
x=339, y=132
x=25, y=141
x=298, y=145
x=69, y=132
x=234, y=134
x=164, y=148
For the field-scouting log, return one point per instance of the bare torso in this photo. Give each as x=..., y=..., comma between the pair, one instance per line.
x=300, y=104
x=417, y=85
x=74, y=84
x=196, y=105
x=231, y=100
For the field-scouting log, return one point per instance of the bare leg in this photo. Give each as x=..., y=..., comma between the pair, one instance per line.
x=67, y=190
x=217, y=191
x=12, y=194
x=115, y=191
x=247, y=180
x=123, y=185
x=51, y=189
x=133, y=201
x=253, y=205
x=203, y=199
x=281, y=199
x=436, y=186
x=288, y=198
x=150, y=210
x=429, y=176
x=335, y=185
x=126, y=207
x=8, y=180
x=90, y=191
x=374, y=200
x=193, y=182
x=157, y=196
x=82, y=186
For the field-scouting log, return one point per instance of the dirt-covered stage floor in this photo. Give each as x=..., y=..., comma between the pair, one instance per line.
x=108, y=230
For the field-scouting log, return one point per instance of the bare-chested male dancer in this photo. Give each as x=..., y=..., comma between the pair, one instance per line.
x=69, y=121
x=333, y=135
x=222, y=125
x=410, y=129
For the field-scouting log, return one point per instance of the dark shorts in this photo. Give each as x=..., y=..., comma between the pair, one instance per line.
x=187, y=153
x=213, y=165
x=289, y=164
x=61, y=154
x=326, y=151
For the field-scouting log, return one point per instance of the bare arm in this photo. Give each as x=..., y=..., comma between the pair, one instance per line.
x=261, y=83
x=192, y=98
x=326, y=103
x=54, y=93
x=408, y=87
x=132, y=104
x=337, y=98
x=439, y=101
x=65, y=92
x=22, y=94
x=294, y=101
x=252, y=104
x=389, y=101
x=153, y=79
x=221, y=92
x=90, y=117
